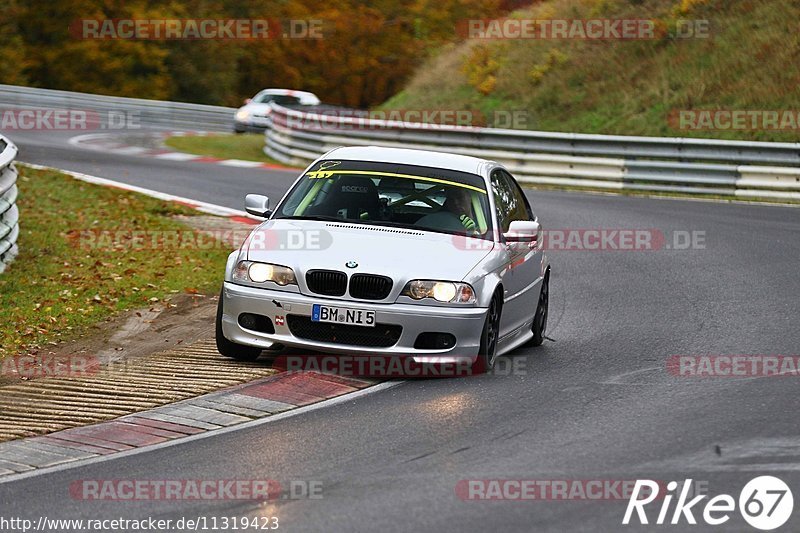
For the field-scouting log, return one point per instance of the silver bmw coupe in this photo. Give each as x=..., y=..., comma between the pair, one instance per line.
x=392, y=252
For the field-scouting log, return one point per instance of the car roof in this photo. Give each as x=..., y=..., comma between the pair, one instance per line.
x=424, y=158
x=289, y=92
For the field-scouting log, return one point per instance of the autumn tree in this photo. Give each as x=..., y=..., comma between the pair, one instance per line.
x=367, y=51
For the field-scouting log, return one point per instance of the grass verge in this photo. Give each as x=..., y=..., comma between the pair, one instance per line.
x=634, y=87
x=89, y=252
x=248, y=146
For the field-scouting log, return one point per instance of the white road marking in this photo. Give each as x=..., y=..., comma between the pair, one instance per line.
x=240, y=163
x=212, y=209
x=130, y=150
x=177, y=156
x=89, y=138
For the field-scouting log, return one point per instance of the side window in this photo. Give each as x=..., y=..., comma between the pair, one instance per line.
x=522, y=208
x=502, y=198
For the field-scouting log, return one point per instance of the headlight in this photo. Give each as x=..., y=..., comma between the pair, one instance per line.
x=242, y=114
x=441, y=291
x=252, y=272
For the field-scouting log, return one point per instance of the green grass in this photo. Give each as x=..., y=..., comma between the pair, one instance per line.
x=625, y=87
x=62, y=283
x=248, y=146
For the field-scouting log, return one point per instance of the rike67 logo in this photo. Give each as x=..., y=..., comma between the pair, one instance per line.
x=765, y=502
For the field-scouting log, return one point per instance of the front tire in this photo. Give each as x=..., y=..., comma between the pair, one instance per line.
x=232, y=349
x=539, y=326
x=491, y=332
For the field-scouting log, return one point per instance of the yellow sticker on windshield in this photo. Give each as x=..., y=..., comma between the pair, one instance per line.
x=322, y=174
x=319, y=174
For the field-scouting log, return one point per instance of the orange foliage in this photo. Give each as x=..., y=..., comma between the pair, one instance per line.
x=367, y=51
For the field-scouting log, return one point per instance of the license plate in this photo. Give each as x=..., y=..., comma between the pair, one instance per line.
x=342, y=315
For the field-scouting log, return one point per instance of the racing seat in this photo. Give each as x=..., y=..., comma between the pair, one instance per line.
x=349, y=198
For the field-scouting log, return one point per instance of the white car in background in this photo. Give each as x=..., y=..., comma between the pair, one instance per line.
x=253, y=115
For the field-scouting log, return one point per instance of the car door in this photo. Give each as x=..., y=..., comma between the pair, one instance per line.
x=523, y=266
x=512, y=285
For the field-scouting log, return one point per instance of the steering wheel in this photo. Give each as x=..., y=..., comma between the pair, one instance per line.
x=445, y=220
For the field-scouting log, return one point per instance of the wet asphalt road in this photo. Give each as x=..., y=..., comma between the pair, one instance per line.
x=598, y=403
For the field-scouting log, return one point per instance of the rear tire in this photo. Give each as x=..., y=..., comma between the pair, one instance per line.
x=232, y=349
x=539, y=326
x=491, y=332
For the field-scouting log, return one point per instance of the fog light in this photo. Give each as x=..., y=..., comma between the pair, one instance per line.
x=434, y=341
x=255, y=322
x=248, y=321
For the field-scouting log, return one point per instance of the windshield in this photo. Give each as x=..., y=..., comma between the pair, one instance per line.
x=280, y=99
x=390, y=194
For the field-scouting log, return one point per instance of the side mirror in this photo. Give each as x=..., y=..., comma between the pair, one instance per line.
x=247, y=100
x=258, y=205
x=523, y=231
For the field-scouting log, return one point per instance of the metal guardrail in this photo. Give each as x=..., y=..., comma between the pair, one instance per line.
x=696, y=166
x=136, y=112
x=9, y=214
x=144, y=112
x=699, y=166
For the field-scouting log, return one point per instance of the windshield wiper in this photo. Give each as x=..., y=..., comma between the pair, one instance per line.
x=390, y=224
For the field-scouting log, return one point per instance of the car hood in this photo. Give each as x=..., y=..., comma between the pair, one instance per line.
x=399, y=253
x=256, y=109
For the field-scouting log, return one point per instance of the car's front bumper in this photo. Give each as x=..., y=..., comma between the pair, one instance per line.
x=249, y=126
x=466, y=323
